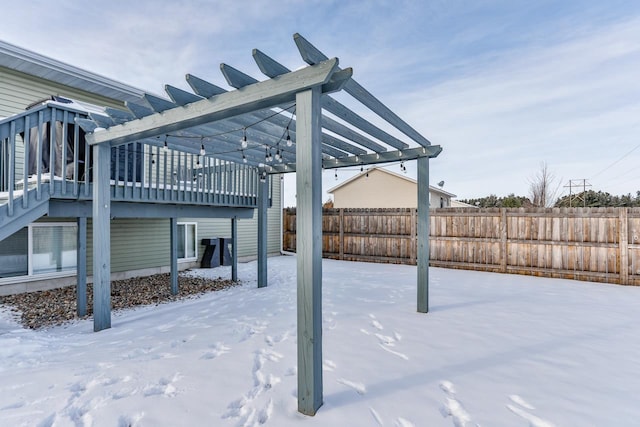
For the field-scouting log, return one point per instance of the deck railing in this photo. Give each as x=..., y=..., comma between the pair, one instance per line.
x=43, y=150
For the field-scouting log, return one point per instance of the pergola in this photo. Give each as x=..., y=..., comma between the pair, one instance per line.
x=277, y=125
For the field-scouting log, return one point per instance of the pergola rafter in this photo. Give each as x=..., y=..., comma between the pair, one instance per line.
x=213, y=121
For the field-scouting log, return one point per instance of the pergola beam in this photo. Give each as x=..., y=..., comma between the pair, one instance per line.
x=271, y=68
x=311, y=55
x=367, y=159
x=254, y=97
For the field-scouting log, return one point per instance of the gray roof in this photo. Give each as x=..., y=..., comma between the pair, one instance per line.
x=28, y=62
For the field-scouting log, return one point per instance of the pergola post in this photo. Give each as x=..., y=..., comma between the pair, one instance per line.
x=309, y=249
x=423, y=235
x=101, y=237
x=263, y=205
x=173, y=254
x=234, y=249
x=81, y=267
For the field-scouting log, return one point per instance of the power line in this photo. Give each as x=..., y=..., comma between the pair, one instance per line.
x=621, y=158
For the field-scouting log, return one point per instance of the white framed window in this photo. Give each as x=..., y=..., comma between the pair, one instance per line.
x=187, y=241
x=40, y=250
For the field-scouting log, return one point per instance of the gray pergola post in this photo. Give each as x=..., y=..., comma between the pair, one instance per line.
x=173, y=254
x=423, y=235
x=309, y=249
x=81, y=267
x=234, y=249
x=101, y=237
x=263, y=204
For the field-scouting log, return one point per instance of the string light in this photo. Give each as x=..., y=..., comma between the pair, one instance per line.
x=202, y=151
x=165, y=148
x=336, y=175
x=244, y=158
x=289, y=142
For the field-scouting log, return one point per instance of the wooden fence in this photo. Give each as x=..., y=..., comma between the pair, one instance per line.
x=593, y=244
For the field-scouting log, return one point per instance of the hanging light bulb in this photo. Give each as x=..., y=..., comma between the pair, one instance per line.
x=289, y=142
x=336, y=175
x=361, y=169
x=244, y=142
x=278, y=158
x=244, y=158
x=202, y=151
x=153, y=160
x=165, y=148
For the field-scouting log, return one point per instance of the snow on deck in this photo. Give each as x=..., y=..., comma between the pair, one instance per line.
x=495, y=350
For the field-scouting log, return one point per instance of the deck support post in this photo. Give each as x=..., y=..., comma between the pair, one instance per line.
x=263, y=204
x=101, y=237
x=81, y=267
x=234, y=249
x=173, y=254
x=423, y=235
x=309, y=249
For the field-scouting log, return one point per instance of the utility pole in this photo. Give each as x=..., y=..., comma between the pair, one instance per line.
x=577, y=183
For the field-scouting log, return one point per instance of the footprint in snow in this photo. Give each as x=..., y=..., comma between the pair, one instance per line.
x=130, y=421
x=533, y=420
x=328, y=365
x=402, y=422
x=164, y=387
x=376, y=416
x=357, y=387
x=218, y=350
x=452, y=407
x=375, y=323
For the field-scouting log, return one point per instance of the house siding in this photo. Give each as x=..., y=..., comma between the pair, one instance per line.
x=19, y=90
x=381, y=189
x=378, y=190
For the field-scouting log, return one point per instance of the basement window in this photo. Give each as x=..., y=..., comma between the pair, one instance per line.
x=40, y=250
x=187, y=247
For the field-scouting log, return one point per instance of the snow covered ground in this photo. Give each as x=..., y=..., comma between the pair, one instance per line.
x=495, y=350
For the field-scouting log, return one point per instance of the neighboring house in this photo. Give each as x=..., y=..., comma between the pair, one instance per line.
x=458, y=204
x=42, y=254
x=381, y=188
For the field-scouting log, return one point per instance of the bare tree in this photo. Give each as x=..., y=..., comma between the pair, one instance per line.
x=543, y=187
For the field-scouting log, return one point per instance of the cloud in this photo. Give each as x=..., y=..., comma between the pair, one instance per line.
x=561, y=103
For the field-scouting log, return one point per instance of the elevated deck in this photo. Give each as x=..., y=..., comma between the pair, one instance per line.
x=45, y=161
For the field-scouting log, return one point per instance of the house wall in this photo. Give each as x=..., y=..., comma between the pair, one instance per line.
x=378, y=190
x=136, y=244
x=383, y=190
x=18, y=90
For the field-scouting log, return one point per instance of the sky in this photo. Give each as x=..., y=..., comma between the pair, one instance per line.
x=501, y=85
x=494, y=350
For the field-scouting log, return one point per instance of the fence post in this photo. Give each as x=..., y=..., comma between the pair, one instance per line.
x=503, y=240
x=623, y=246
x=341, y=239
